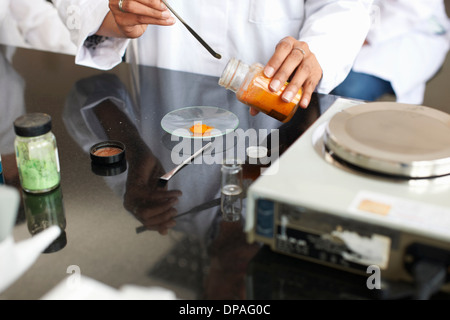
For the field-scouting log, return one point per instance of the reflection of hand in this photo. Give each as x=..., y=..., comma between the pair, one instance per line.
x=230, y=256
x=293, y=62
x=149, y=201
x=136, y=16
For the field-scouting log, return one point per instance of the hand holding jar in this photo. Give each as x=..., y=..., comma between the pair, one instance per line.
x=276, y=93
x=293, y=62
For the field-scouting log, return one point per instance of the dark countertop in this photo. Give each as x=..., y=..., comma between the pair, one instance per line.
x=202, y=257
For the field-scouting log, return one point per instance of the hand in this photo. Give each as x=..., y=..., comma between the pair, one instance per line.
x=150, y=202
x=135, y=16
x=299, y=67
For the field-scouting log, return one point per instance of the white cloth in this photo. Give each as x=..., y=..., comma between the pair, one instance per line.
x=84, y=288
x=248, y=30
x=17, y=257
x=408, y=42
x=34, y=24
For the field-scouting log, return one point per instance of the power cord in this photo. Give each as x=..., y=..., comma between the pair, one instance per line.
x=429, y=276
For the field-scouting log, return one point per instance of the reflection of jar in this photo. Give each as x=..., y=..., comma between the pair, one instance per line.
x=36, y=153
x=231, y=190
x=43, y=211
x=252, y=88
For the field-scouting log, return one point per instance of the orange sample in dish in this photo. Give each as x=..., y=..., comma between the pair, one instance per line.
x=199, y=129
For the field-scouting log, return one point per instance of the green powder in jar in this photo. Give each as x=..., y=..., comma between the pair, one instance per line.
x=36, y=153
x=39, y=174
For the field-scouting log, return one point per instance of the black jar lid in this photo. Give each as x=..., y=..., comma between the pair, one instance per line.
x=100, y=158
x=33, y=124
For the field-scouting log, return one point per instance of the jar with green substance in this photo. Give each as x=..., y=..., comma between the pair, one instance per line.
x=36, y=153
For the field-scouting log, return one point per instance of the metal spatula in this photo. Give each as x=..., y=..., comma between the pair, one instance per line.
x=214, y=54
x=172, y=172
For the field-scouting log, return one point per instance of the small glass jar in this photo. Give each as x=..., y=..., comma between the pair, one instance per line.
x=232, y=190
x=36, y=153
x=252, y=88
x=256, y=162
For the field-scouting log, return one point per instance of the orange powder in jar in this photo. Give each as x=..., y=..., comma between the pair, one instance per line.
x=258, y=95
x=252, y=88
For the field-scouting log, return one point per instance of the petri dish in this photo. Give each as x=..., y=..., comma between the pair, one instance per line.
x=179, y=122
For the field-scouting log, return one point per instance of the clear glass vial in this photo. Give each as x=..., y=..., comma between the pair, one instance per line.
x=252, y=88
x=231, y=190
x=36, y=153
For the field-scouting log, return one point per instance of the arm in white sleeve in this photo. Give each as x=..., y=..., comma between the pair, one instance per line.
x=40, y=25
x=83, y=18
x=335, y=32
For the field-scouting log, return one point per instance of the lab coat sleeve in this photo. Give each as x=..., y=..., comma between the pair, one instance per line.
x=335, y=32
x=40, y=25
x=83, y=18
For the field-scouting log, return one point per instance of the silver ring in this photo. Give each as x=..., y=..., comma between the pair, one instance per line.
x=120, y=6
x=300, y=49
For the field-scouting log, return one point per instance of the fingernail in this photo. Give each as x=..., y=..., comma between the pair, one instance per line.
x=275, y=85
x=304, y=103
x=269, y=71
x=165, y=14
x=287, y=96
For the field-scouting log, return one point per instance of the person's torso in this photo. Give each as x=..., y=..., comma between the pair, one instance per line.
x=248, y=30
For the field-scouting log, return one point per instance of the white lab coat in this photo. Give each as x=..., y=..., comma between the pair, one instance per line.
x=246, y=29
x=33, y=24
x=407, y=44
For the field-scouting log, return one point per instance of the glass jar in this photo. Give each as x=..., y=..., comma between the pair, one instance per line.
x=252, y=88
x=256, y=162
x=36, y=153
x=231, y=190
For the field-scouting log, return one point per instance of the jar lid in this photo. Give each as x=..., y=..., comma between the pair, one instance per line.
x=107, y=152
x=33, y=124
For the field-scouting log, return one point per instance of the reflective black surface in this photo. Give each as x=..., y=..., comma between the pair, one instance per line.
x=201, y=257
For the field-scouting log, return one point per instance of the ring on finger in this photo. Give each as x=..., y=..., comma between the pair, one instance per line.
x=300, y=49
x=120, y=5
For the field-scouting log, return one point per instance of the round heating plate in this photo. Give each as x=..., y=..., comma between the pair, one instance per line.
x=392, y=138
